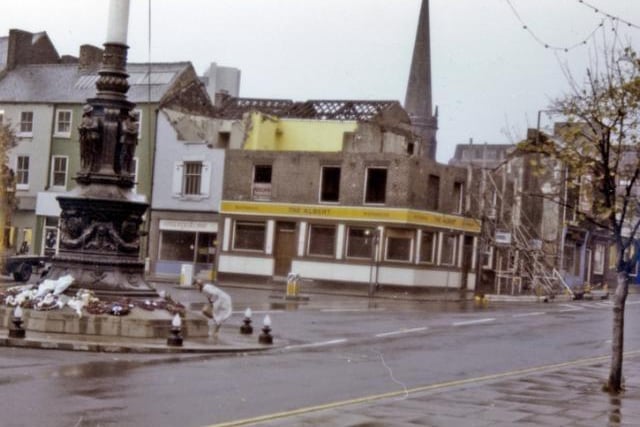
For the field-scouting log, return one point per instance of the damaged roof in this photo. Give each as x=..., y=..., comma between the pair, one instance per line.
x=356, y=110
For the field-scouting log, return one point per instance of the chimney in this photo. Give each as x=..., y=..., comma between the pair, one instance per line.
x=90, y=58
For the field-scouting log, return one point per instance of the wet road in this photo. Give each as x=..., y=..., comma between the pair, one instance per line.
x=335, y=349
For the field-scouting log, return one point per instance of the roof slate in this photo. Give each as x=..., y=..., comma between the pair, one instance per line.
x=64, y=83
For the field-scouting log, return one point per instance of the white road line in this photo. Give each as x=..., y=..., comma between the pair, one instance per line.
x=401, y=331
x=259, y=311
x=317, y=344
x=631, y=303
x=534, y=313
x=603, y=304
x=571, y=308
x=474, y=322
x=350, y=310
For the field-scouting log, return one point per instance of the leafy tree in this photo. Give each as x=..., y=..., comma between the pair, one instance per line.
x=599, y=144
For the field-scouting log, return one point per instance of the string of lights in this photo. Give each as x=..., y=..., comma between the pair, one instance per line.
x=608, y=15
x=615, y=21
x=546, y=45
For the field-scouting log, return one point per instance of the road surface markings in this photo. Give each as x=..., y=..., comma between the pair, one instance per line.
x=350, y=310
x=258, y=312
x=317, y=344
x=603, y=304
x=632, y=303
x=426, y=388
x=474, y=322
x=571, y=308
x=533, y=313
x=401, y=331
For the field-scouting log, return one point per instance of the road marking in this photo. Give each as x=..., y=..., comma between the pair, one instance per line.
x=474, y=322
x=350, y=310
x=632, y=303
x=571, y=308
x=317, y=344
x=533, y=313
x=401, y=331
x=430, y=387
x=259, y=311
x=603, y=304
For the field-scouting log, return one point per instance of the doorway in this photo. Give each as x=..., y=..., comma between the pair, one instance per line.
x=285, y=247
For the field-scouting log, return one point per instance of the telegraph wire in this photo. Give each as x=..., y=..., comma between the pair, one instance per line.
x=608, y=15
x=546, y=45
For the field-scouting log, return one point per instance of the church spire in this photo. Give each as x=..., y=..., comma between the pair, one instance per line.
x=418, y=102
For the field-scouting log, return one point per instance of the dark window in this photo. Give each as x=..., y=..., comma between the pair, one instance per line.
x=449, y=244
x=322, y=240
x=428, y=247
x=262, y=174
x=399, y=245
x=249, y=236
x=376, y=185
x=360, y=242
x=223, y=139
x=330, y=189
x=261, y=188
x=458, y=197
x=433, y=192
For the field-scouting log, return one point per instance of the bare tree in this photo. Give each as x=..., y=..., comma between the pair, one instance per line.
x=599, y=145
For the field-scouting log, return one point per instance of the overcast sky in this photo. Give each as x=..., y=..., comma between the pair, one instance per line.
x=490, y=76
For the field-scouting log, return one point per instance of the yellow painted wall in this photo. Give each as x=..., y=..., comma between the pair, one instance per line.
x=273, y=134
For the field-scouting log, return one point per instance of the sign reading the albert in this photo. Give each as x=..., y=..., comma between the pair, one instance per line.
x=404, y=216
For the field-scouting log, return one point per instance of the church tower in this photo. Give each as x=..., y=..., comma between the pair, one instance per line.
x=418, y=99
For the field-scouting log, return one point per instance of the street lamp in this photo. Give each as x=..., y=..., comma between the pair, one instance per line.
x=246, y=328
x=375, y=235
x=266, y=337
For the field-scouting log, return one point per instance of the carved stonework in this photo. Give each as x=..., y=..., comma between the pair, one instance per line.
x=99, y=239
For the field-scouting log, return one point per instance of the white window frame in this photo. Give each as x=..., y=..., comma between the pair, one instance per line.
x=139, y=111
x=434, y=247
x=235, y=232
x=178, y=179
x=57, y=132
x=28, y=133
x=53, y=171
x=454, y=258
x=335, y=234
x=22, y=186
x=400, y=234
x=459, y=203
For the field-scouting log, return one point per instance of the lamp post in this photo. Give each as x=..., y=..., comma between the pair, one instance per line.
x=246, y=328
x=17, y=331
x=373, y=278
x=266, y=337
x=175, y=339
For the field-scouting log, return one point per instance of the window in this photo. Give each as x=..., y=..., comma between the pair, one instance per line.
x=63, y=123
x=376, y=186
x=223, y=139
x=458, y=197
x=330, y=185
x=261, y=189
x=360, y=242
x=433, y=192
x=249, y=236
x=139, y=122
x=399, y=245
x=448, y=256
x=322, y=240
x=598, y=259
x=59, y=171
x=428, y=247
x=26, y=123
x=22, y=173
x=192, y=177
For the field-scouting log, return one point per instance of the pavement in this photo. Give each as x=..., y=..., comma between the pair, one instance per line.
x=567, y=394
